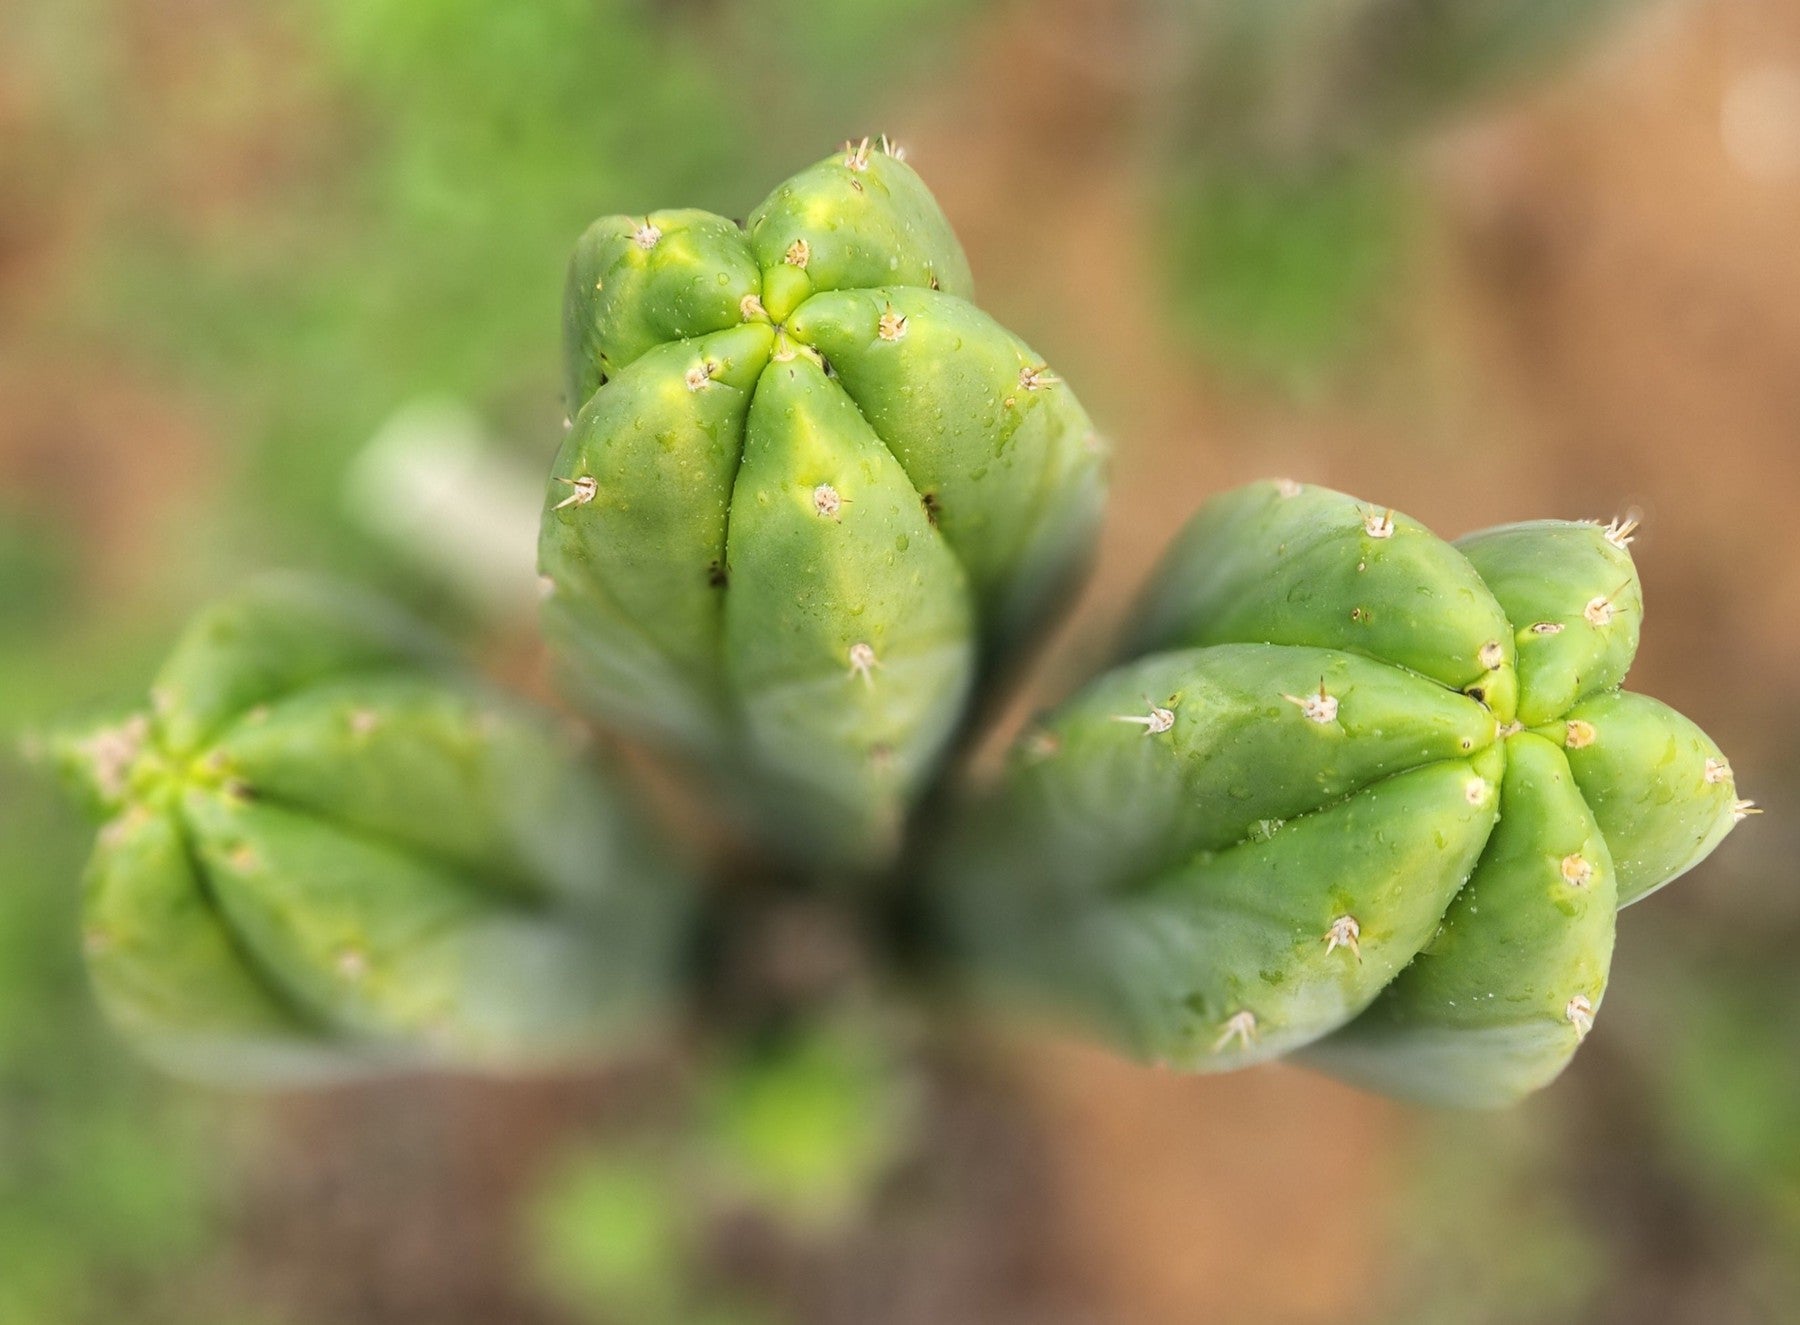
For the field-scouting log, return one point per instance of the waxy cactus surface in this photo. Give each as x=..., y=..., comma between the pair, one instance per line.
x=1362, y=794
x=324, y=852
x=810, y=496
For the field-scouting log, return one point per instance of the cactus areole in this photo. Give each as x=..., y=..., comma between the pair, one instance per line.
x=1362, y=794
x=809, y=493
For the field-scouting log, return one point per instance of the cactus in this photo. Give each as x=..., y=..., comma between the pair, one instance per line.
x=1360, y=795
x=1355, y=794
x=810, y=497
x=325, y=852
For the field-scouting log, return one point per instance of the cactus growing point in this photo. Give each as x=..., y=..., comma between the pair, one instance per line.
x=810, y=496
x=1362, y=795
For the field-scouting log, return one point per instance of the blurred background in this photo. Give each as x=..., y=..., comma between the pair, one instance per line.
x=279, y=284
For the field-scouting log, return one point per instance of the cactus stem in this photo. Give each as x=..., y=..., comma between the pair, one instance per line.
x=1619, y=530
x=751, y=307
x=1717, y=770
x=646, y=236
x=1240, y=1026
x=798, y=254
x=1345, y=932
x=1580, y=1015
x=1154, y=723
x=892, y=325
x=827, y=501
x=1321, y=708
x=1547, y=628
x=1577, y=870
x=863, y=662
x=1579, y=734
x=584, y=487
x=1034, y=379
x=1743, y=809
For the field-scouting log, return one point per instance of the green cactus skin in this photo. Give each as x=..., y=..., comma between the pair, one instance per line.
x=1363, y=796
x=325, y=853
x=809, y=497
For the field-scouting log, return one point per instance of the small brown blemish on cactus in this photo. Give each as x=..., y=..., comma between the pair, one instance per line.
x=798, y=254
x=364, y=721
x=243, y=859
x=1577, y=870
x=881, y=759
x=892, y=325
x=856, y=155
x=700, y=375
x=1359, y=614
x=583, y=490
x=1743, y=809
x=826, y=502
x=1321, y=708
x=932, y=510
x=1578, y=735
x=1286, y=487
x=1157, y=721
x=1492, y=654
x=352, y=964
x=1717, y=771
x=1504, y=729
x=1599, y=611
x=1619, y=530
x=751, y=308
x=1036, y=379
x=1547, y=628
x=863, y=662
x=1379, y=524
x=646, y=236
x=1345, y=932
x=1010, y=402
x=96, y=942
x=1579, y=1013
x=717, y=576
x=1239, y=1026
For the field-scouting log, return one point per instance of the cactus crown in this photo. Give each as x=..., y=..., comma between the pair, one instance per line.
x=809, y=492
x=1363, y=791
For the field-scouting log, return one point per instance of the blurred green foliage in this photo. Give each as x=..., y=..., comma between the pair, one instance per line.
x=1289, y=132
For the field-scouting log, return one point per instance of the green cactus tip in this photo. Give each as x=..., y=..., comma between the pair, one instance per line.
x=323, y=852
x=810, y=493
x=1361, y=795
